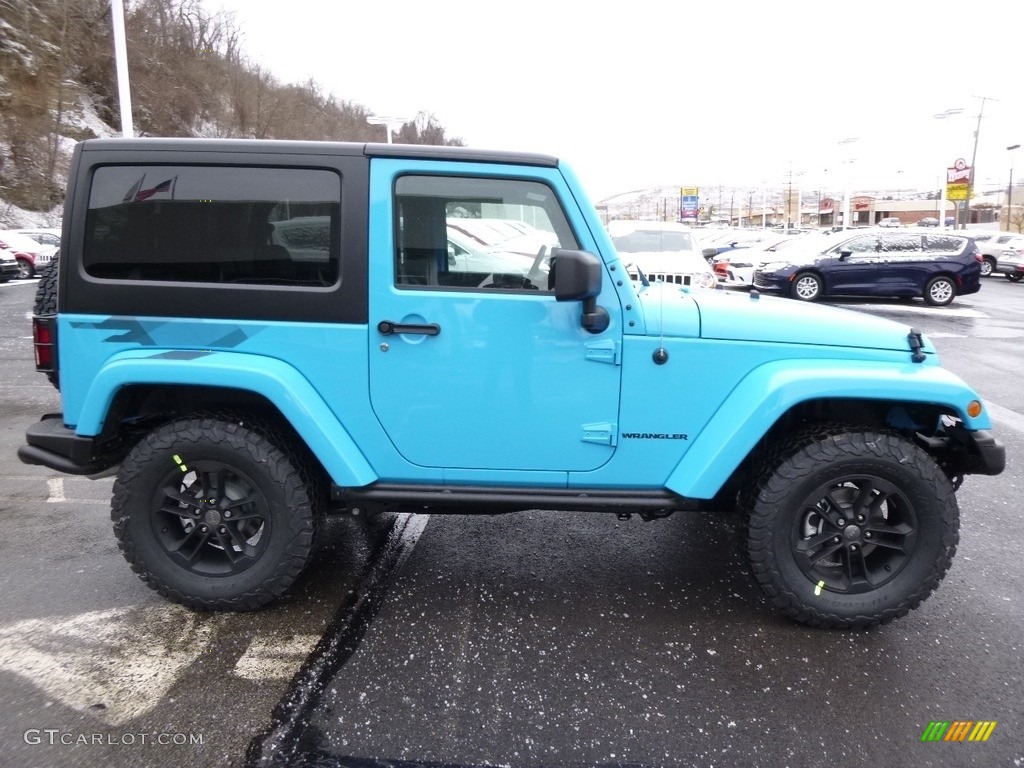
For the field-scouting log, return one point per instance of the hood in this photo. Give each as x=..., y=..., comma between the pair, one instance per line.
x=736, y=316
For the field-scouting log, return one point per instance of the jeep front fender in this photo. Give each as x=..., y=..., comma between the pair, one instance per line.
x=769, y=391
x=275, y=380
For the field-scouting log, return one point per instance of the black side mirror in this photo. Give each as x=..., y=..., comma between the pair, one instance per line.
x=578, y=277
x=709, y=253
x=844, y=255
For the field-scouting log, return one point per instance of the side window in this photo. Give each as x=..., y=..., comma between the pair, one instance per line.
x=943, y=243
x=901, y=246
x=858, y=246
x=214, y=224
x=467, y=233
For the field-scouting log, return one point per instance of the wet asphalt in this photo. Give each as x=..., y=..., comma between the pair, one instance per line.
x=531, y=639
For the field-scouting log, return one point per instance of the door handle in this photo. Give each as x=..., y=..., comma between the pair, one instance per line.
x=387, y=328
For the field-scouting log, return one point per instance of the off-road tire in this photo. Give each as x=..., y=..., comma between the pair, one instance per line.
x=913, y=493
x=158, y=515
x=46, y=290
x=46, y=302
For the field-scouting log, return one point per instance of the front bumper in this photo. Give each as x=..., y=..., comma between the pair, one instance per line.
x=991, y=456
x=771, y=282
x=965, y=452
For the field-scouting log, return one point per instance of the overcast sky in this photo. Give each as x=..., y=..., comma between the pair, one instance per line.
x=651, y=92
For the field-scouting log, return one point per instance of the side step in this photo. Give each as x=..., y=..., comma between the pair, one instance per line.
x=489, y=500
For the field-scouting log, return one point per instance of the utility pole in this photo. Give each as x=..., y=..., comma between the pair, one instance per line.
x=789, y=199
x=121, y=61
x=1009, y=188
x=974, y=156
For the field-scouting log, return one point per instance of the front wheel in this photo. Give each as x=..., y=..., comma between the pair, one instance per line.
x=851, y=529
x=987, y=266
x=940, y=291
x=807, y=287
x=213, y=515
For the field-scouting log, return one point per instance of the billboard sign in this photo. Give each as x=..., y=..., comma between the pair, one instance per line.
x=689, y=203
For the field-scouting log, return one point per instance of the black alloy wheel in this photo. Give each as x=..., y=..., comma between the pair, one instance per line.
x=850, y=528
x=211, y=520
x=214, y=514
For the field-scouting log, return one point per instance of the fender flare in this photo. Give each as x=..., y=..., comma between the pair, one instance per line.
x=771, y=390
x=275, y=380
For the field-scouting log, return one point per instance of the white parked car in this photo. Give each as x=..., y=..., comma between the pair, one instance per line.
x=662, y=252
x=8, y=265
x=42, y=235
x=735, y=268
x=990, y=243
x=500, y=249
x=467, y=256
x=1010, y=259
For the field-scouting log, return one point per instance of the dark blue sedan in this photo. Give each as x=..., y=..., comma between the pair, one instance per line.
x=936, y=266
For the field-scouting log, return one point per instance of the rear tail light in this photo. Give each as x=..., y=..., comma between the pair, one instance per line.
x=721, y=268
x=44, y=339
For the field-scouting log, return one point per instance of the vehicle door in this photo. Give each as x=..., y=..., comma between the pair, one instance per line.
x=473, y=363
x=899, y=272
x=853, y=265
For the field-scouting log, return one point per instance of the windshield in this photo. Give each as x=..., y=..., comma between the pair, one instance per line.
x=647, y=241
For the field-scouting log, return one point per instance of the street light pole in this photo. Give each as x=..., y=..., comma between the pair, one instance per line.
x=974, y=157
x=389, y=123
x=846, y=188
x=945, y=115
x=124, y=96
x=1009, y=188
x=764, y=204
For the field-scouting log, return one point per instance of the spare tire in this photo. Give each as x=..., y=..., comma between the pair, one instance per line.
x=46, y=302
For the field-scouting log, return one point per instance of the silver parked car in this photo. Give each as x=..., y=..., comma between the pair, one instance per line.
x=1010, y=258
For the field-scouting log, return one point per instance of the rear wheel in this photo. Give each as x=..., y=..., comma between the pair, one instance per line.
x=806, y=287
x=851, y=529
x=25, y=269
x=1015, y=277
x=939, y=291
x=213, y=515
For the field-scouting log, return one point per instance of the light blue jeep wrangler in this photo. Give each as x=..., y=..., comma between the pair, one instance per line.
x=254, y=334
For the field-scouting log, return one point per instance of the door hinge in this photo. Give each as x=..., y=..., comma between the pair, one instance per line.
x=605, y=351
x=601, y=433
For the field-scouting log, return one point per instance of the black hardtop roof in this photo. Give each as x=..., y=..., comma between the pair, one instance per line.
x=412, y=151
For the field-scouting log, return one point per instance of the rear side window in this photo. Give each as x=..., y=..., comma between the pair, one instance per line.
x=901, y=243
x=944, y=243
x=214, y=224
